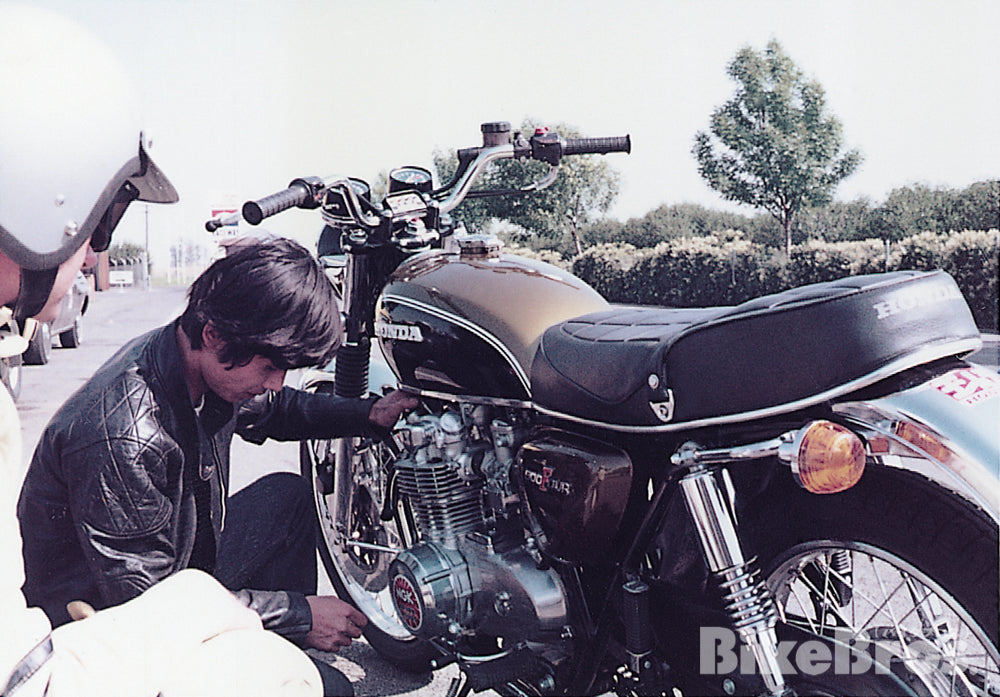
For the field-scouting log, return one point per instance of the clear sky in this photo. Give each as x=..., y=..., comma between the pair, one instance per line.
x=241, y=96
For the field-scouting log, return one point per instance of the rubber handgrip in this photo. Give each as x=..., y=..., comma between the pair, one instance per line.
x=255, y=211
x=597, y=146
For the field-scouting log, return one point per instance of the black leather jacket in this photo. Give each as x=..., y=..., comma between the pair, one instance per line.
x=107, y=507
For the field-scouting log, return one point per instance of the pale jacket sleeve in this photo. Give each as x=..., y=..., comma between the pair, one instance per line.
x=22, y=627
x=186, y=636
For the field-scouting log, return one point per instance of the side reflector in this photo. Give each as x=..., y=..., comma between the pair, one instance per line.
x=924, y=440
x=826, y=458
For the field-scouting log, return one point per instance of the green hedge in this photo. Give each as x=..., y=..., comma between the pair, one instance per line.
x=719, y=270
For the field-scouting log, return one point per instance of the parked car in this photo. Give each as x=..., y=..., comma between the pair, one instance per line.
x=66, y=325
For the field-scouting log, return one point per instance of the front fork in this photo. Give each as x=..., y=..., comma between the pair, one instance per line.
x=748, y=601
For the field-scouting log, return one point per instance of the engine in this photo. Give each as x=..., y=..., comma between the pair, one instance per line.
x=474, y=571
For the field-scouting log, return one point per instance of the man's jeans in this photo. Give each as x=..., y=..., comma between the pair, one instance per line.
x=269, y=543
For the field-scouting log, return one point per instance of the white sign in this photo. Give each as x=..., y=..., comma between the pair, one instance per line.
x=121, y=277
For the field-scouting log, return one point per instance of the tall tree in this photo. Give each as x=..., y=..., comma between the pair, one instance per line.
x=775, y=145
x=586, y=186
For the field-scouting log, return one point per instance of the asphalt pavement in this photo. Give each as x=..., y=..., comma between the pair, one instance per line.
x=114, y=317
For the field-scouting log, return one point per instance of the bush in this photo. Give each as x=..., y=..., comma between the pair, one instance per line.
x=971, y=258
x=708, y=271
x=606, y=267
x=549, y=256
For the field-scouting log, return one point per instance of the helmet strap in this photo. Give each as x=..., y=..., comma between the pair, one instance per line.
x=34, y=293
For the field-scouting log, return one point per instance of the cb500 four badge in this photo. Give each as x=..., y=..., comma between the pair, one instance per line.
x=544, y=481
x=399, y=332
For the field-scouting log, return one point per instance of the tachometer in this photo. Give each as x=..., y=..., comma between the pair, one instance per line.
x=410, y=178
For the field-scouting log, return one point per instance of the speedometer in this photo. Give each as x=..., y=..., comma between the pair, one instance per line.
x=410, y=178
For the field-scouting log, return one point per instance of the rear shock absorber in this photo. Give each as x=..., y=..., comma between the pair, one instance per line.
x=748, y=601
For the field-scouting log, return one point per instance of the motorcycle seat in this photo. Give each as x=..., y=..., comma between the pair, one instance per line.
x=664, y=368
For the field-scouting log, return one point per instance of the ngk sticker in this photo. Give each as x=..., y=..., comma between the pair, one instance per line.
x=407, y=603
x=968, y=385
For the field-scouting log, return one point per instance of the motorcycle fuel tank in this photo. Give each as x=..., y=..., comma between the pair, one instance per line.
x=469, y=324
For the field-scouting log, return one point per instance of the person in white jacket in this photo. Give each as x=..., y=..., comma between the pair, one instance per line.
x=71, y=160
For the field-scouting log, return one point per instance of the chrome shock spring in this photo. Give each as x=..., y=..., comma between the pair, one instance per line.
x=748, y=602
x=842, y=571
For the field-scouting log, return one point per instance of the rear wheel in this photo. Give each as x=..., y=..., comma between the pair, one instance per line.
x=898, y=567
x=353, y=538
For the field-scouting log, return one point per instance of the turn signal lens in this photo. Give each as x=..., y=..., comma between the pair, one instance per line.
x=826, y=458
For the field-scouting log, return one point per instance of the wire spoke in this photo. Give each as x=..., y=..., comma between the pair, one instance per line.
x=922, y=629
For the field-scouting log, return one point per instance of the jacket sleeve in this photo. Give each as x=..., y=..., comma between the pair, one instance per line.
x=283, y=612
x=293, y=414
x=123, y=505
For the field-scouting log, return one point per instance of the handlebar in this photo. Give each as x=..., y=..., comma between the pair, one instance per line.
x=301, y=193
x=597, y=146
x=544, y=146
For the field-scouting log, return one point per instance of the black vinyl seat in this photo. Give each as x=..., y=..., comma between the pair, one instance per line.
x=655, y=367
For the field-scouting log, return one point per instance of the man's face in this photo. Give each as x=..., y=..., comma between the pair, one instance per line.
x=241, y=382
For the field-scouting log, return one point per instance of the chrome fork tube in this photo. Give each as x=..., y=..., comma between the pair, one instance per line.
x=748, y=601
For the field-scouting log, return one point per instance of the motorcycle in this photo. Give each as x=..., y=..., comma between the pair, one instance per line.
x=794, y=495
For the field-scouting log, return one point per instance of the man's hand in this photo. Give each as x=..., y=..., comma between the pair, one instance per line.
x=335, y=623
x=386, y=411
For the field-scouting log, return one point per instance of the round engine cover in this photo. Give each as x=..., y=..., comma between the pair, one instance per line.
x=430, y=588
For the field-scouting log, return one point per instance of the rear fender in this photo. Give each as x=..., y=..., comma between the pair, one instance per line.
x=946, y=428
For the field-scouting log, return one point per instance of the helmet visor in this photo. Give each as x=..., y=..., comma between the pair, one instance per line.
x=149, y=183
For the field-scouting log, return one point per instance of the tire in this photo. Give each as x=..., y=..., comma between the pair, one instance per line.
x=910, y=545
x=71, y=337
x=360, y=576
x=39, y=349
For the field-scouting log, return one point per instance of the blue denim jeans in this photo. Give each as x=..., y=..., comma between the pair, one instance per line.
x=269, y=543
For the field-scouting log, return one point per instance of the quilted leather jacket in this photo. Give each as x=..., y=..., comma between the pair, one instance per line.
x=107, y=508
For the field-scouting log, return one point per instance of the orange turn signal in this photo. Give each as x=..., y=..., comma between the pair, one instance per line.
x=825, y=457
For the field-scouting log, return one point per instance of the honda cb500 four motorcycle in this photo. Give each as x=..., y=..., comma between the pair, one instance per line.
x=795, y=495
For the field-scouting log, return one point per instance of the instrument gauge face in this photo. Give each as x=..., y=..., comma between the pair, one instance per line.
x=360, y=187
x=336, y=208
x=410, y=177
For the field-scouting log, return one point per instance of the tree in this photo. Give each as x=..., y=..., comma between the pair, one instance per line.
x=125, y=251
x=775, y=146
x=586, y=185
x=977, y=207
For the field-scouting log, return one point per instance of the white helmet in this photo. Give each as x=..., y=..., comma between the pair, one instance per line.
x=72, y=156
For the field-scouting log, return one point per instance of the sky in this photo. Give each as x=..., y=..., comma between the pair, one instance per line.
x=242, y=96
